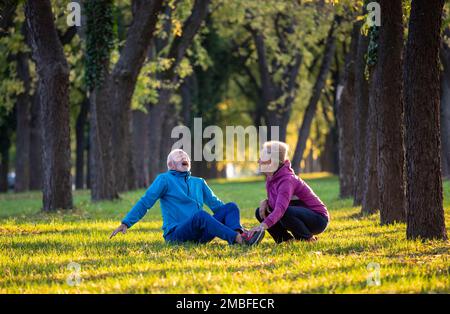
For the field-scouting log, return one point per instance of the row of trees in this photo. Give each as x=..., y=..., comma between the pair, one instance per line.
x=133, y=71
x=393, y=164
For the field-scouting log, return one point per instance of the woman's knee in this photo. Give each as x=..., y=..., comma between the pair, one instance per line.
x=257, y=215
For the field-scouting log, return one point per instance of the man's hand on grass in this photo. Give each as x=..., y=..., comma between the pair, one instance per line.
x=122, y=228
x=262, y=208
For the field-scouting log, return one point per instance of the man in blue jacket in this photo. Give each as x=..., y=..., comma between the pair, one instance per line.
x=182, y=197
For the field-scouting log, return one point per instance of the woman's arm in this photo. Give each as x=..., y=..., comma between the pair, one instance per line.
x=284, y=195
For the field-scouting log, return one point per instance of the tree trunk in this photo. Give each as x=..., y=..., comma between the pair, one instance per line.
x=361, y=118
x=80, y=134
x=36, y=143
x=88, y=164
x=5, y=144
x=22, y=180
x=370, y=198
x=425, y=213
x=327, y=157
x=345, y=116
x=445, y=107
x=156, y=121
x=445, y=125
x=111, y=147
x=170, y=121
x=163, y=116
x=140, y=148
x=4, y=167
x=101, y=162
x=390, y=113
x=54, y=96
x=304, y=130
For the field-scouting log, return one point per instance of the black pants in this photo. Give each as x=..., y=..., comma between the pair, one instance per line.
x=297, y=222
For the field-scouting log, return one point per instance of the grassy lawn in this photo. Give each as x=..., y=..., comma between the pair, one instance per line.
x=36, y=249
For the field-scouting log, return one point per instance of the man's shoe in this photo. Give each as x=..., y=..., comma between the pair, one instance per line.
x=254, y=239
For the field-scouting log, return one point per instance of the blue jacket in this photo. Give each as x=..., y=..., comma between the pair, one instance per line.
x=181, y=197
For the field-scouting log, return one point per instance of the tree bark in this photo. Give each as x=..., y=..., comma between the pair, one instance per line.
x=445, y=126
x=22, y=180
x=140, y=148
x=445, y=107
x=81, y=139
x=4, y=164
x=53, y=74
x=425, y=213
x=122, y=82
x=346, y=106
x=36, y=143
x=111, y=147
x=5, y=144
x=370, y=198
x=101, y=162
x=389, y=107
x=304, y=130
x=361, y=118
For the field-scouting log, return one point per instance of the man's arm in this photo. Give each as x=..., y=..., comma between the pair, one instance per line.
x=153, y=193
x=209, y=198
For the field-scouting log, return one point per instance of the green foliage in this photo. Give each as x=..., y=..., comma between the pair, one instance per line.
x=11, y=45
x=169, y=26
x=99, y=40
x=37, y=247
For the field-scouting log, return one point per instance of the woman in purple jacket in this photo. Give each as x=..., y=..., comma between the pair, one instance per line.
x=292, y=210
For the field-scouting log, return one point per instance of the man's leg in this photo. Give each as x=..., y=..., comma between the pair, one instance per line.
x=229, y=215
x=303, y=222
x=202, y=227
x=277, y=231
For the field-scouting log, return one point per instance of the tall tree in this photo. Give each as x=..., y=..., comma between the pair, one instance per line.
x=110, y=147
x=388, y=84
x=99, y=38
x=370, y=197
x=54, y=95
x=304, y=130
x=276, y=112
x=361, y=118
x=445, y=105
x=346, y=106
x=425, y=213
x=23, y=124
x=163, y=112
x=141, y=158
x=81, y=144
x=7, y=125
x=35, y=142
x=122, y=81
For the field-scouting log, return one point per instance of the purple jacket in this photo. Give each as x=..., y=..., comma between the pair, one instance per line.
x=285, y=186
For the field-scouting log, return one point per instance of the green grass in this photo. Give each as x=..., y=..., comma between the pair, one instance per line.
x=36, y=248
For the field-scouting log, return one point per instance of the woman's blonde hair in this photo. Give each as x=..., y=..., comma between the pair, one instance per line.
x=279, y=148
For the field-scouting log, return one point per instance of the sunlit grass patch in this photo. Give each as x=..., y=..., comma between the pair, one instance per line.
x=36, y=250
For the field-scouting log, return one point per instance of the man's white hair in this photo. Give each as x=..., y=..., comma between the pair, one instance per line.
x=170, y=156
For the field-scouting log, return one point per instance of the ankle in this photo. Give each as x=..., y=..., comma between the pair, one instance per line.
x=238, y=238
